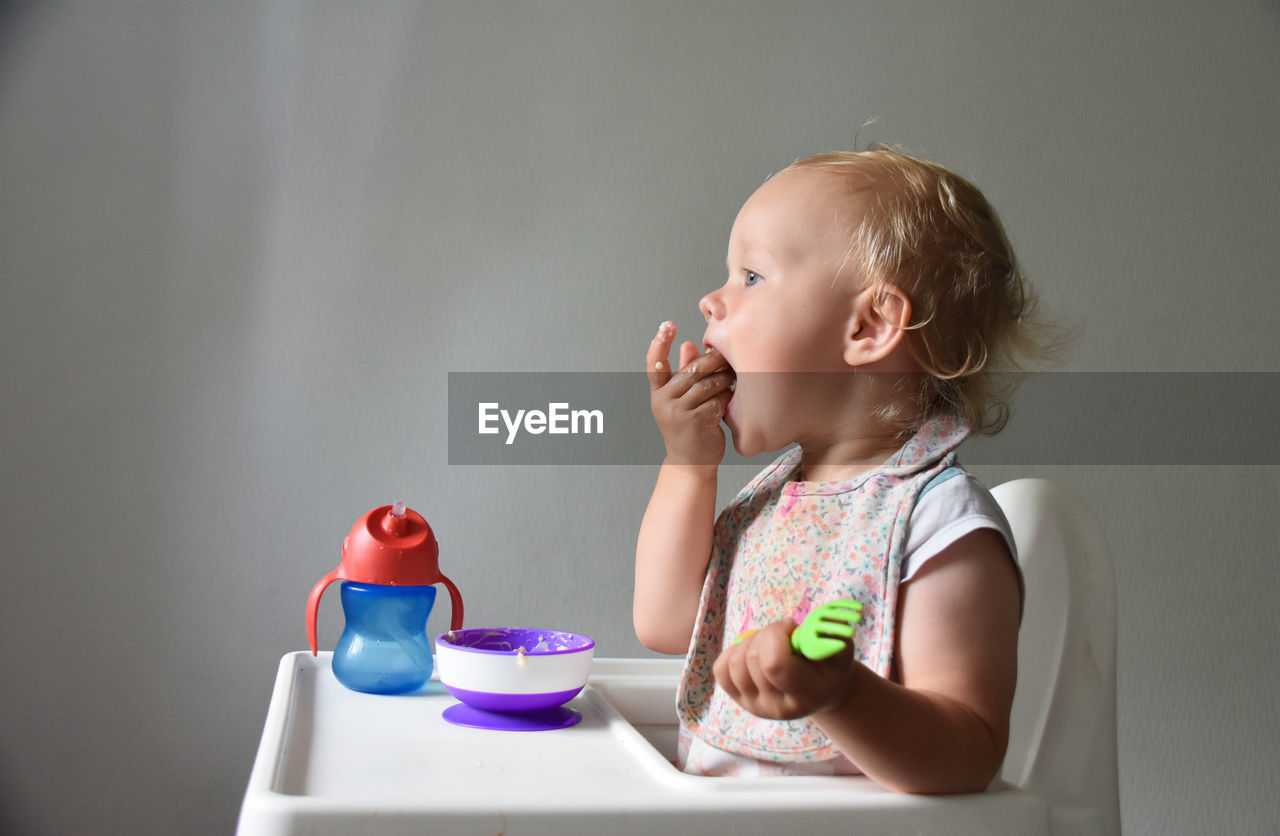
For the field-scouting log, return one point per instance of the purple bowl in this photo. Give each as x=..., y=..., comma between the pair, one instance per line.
x=513, y=669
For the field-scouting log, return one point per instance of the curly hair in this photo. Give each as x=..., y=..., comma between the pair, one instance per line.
x=932, y=235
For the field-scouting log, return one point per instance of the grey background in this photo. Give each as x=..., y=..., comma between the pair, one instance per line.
x=243, y=244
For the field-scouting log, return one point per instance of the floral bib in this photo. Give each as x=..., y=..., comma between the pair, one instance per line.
x=783, y=547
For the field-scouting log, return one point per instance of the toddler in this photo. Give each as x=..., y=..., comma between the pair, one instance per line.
x=869, y=295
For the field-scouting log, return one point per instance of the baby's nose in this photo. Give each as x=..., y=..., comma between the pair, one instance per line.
x=711, y=306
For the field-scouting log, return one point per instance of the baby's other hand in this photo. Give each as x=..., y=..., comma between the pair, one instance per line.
x=688, y=404
x=765, y=677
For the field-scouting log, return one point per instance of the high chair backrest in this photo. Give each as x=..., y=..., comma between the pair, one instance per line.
x=1062, y=743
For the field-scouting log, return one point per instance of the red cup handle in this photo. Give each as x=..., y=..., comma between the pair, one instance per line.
x=313, y=605
x=455, y=601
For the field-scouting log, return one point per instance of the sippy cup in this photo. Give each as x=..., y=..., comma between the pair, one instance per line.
x=390, y=561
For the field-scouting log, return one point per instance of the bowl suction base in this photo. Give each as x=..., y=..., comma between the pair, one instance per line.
x=545, y=719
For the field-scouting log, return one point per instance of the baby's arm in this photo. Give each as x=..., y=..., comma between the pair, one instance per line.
x=946, y=726
x=674, y=544
x=672, y=553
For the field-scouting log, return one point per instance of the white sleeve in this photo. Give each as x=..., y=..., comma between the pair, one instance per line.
x=947, y=512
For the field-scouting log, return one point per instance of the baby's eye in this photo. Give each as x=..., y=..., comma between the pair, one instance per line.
x=751, y=277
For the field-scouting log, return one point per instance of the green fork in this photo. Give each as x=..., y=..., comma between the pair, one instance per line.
x=826, y=630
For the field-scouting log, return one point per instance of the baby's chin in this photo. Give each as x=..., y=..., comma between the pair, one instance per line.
x=735, y=437
x=747, y=444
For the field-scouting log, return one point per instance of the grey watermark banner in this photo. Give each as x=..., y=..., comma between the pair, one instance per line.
x=1058, y=418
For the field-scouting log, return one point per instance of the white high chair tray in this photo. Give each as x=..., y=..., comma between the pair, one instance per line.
x=334, y=761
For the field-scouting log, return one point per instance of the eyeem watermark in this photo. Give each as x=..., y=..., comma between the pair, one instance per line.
x=559, y=419
x=1059, y=418
x=551, y=418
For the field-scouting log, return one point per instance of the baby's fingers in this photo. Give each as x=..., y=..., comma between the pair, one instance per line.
x=657, y=360
x=688, y=353
x=771, y=661
x=733, y=675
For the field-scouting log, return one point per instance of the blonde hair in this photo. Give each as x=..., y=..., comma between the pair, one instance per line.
x=933, y=236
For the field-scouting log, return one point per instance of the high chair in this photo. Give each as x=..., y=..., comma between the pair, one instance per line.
x=335, y=761
x=1062, y=736
x=1062, y=743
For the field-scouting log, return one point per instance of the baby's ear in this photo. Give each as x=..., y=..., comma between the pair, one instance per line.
x=877, y=325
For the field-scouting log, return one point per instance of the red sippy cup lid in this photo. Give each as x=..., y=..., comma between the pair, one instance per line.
x=392, y=546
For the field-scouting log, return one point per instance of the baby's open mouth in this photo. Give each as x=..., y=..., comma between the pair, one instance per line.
x=733, y=383
x=708, y=347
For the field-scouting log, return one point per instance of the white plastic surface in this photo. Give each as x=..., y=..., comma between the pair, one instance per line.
x=334, y=761
x=1062, y=735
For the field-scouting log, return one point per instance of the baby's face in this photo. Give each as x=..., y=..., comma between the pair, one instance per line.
x=780, y=319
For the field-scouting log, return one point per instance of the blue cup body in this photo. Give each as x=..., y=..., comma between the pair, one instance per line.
x=384, y=647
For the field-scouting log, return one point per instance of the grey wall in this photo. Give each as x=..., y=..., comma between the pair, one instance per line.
x=242, y=245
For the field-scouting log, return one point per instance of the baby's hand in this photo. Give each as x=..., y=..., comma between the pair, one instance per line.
x=689, y=404
x=765, y=677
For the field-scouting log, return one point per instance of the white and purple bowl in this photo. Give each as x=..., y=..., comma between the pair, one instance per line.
x=513, y=669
